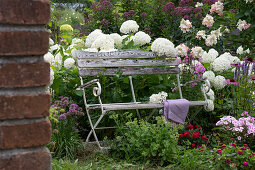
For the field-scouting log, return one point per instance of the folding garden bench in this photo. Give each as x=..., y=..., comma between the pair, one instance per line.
x=128, y=62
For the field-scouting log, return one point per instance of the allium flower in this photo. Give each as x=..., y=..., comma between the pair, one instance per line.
x=211, y=40
x=49, y=57
x=208, y=21
x=201, y=34
x=103, y=42
x=217, y=7
x=69, y=63
x=242, y=25
x=66, y=27
x=182, y=50
x=209, y=75
x=219, y=82
x=210, y=106
x=78, y=42
x=51, y=42
x=92, y=37
x=129, y=26
x=197, y=52
x=62, y=117
x=117, y=39
x=55, y=131
x=185, y=25
x=141, y=38
x=162, y=46
x=221, y=64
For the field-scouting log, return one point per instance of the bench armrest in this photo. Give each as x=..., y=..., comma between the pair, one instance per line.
x=89, y=83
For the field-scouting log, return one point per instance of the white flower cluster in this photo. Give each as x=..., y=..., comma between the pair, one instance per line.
x=185, y=25
x=217, y=7
x=51, y=76
x=208, y=21
x=117, y=39
x=158, y=98
x=211, y=94
x=92, y=37
x=210, y=56
x=197, y=52
x=49, y=57
x=199, y=4
x=78, y=42
x=69, y=63
x=54, y=47
x=104, y=42
x=201, y=34
x=51, y=42
x=241, y=51
x=182, y=50
x=219, y=82
x=209, y=75
x=141, y=38
x=162, y=46
x=129, y=26
x=210, y=106
x=211, y=40
x=242, y=25
x=249, y=1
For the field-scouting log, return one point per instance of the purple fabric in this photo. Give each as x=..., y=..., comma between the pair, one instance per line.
x=176, y=110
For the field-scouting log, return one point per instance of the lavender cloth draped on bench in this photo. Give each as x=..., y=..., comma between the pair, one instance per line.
x=176, y=110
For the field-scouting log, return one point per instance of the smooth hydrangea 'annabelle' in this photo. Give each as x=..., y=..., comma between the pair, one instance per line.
x=230, y=58
x=117, y=39
x=242, y=25
x=129, y=26
x=92, y=37
x=182, y=50
x=217, y=7
x=69, y=63
x=209, y=75
x=217, y=33
x=210, y=56
x=211, y=40
x=51, y=42
x=103, y=42
x=208, y=21
x=197, y=52
x=49, y=57
x=201, y=34
x=185, y=25
x=210, y=106
x=158, y=98
x=219, y=82
x=141, y=38
x=54, y=47
x=78, y=42
x=162, y=46
x=58, y=60
x=211, y=94
x=221, y=64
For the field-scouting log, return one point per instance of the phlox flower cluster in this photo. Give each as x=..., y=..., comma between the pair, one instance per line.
x=158, y=98
x=199, y=70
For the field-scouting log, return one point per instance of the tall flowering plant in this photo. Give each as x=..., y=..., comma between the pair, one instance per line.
x=65, y=141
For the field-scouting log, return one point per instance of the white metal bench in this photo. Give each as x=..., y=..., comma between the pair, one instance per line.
x=128, y=62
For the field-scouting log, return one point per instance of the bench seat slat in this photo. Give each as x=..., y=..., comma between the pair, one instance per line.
x=125, y=63
x=130, y=106
x=121, y=54
x=129, y=71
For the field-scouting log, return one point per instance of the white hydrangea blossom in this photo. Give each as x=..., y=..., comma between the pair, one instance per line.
x=103, y=42
x=92, y=37
x=129, y=26
x=210, y=106
x=58, y=60
x=185, y=25
x=221, y=64
x=209, y=75
x=51, y=42
x=201, y=34
x=158, y=98
x=73, y=53
x=207, y=58
x=213, y=52
x=54, y=47
x=211, y=40
x=211, y=94
x=90, y=50
x=182, y=50
x=217, y=7
x=197, y=52
x=217, y=33
x=117, y=39
x=141, y=38
x=241, y=51
x=78, y=42
x=162, y=46
x=242, y=25
x=49, y=57
x=70, y=47
x=219, y=82
x=51, y=76
x=208, y=21
x=228, y=56
x=69, y=63
x=199, y=4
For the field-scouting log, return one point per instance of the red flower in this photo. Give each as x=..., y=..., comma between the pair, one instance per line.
x=196, y=135
x=243, y=148
x=245, y=163
x=189, y=126
x=253, y=153
x=233, y=144
x=198, y=127
x=228, y=160
x=193, y=145
x=245, y=145
x=213, y=159
x=219, y=151
x=234, y=164
x=240, y=152
x=223, y=146
x=199, y=146
x=204, y=138
x=232, y=139
x=181, y=135
x=187, y=134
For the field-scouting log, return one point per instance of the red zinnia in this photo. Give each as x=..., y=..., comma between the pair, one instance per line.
x=187, y=134
x=223, y=146
x=189, y=126
x=196, y=135
x=240, y=152
x=243, y=148
x=181, y=135
x=204, y=138
x=219, y=151
x=233, y=144
x=245, y=163
x=213, y=159
x=228, y=160
x=198, y=127
x=232, y=139
x=193, y=145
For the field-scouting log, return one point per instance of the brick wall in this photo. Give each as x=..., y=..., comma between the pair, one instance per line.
x=23, y=76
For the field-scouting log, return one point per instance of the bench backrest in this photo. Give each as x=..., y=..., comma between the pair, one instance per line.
x=127, y=62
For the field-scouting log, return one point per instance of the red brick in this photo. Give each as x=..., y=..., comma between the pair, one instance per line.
x=24, y=74
x=24, y=43
x=27, y=160
x=24, y=106
x=24, y=11
x=25, y=135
